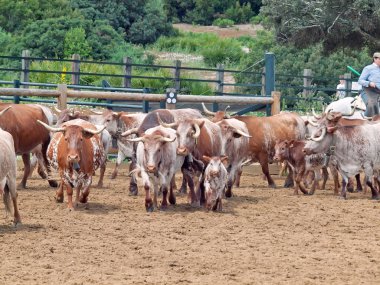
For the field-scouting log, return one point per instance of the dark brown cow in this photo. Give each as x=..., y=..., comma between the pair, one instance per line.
x=21, y=122
x=76, y=152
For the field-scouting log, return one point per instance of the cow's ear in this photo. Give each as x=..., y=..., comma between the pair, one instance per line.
x=332, y=129
x=291, y=143
x=207, y=158
x=236, y=134
x=201, y=124
x=87, y=135
x=224, y=160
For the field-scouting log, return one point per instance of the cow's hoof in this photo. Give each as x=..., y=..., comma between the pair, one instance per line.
x=376, y=198
x=83, y=199
x=133, y=193
x=228, y=194
x=22, y=186
x=342, y=198
x=53, y=183
x=286, y=185
x=149, y=208
x=359, y=190
x=351, y=190
x=195, y=204
x=99, y=186
x=172, y=200
x=113, y=176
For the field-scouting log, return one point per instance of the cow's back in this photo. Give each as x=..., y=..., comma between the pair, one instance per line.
x=266, y=130
x=21, y=122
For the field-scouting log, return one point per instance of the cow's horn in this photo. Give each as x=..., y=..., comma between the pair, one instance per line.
x=166, y=125
x=165, y=139
x=56, y=110
x=6, y=109
x=129, y=132
x=207, y=111
x=226, y=115
x=321, y=136
x=52, y=129
x=240, y=132
x=140, y=139
x=197, y=131
x=96, y=112
x=94, y=132
x=311, y=122
x=315, y=115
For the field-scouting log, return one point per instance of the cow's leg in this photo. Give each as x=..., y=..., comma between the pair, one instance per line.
x=59, y=194
x=120, y=158
x=46, y=163
x=298, y=179
x=133, y=189
x=10, y=187
x=101, y=176
x=359, y=187
x=289, y=182
x=335, y=175
x=148, y=199
x=183, y=188
x=374, y=191
x=343, y=194
x=164, y=204
x=26, y=160
x=325, y=175
x=33, y=164
x=69, y=192
x=238, y=176
x=172, y=199
x=83, y=198
x=263, y=159
x=350, y=185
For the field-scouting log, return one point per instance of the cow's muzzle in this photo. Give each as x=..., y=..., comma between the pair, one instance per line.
x=151, y=168
x=182, y=151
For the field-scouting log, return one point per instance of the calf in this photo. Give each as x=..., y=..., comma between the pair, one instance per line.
x=76, y=152
x=301, y=164
x=156, y=160
x=8, y=174
x=215, y=181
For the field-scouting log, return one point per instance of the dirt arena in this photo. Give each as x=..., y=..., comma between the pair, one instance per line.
x=263, y=236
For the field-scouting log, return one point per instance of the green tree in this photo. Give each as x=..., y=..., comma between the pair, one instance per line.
x=75, y=42
x=334, y=23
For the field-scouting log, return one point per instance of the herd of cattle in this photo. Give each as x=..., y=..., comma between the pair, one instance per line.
x=209, y=151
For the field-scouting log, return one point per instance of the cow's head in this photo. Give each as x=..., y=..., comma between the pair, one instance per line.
x=154, y=146
x=74, y=137
x=321, y=138
x=230, y=131
x=216, y=177
x=216, y=116
x=66, y=115
x=107, y=118
x=188, y=133
x=282, y=150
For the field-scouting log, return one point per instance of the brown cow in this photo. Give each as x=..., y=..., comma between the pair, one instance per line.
x=265, y=131
x=76, y=152
x=21, y=122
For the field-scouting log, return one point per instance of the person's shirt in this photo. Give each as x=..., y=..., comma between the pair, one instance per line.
x=370, y=73
x=340, y=91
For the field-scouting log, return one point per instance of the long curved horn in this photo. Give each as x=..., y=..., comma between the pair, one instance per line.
x=56, y=110
x=197, y=131
x=6, y=109
x=314, y=114
x=240, y=132
x=96, y=112
x=226, y=115
x=140, y=139
x=94, y=132
x=166, y=125
x=129, y=132
x=165, y=139
x=207, y=111
x=311, y=122
x=52, y=129
x=321, y=136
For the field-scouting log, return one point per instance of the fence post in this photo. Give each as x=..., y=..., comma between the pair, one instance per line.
x=276, y=106
x=348, y=84
x=127, y=69
x=219, y=85
x=75, y=68
x=269, y=77
x=145, y=103
x=171, y=98
x=263, y=82
x=62, y=99
x=25, y=65
x=307, y=73
x=16, y=98
x=177, y=75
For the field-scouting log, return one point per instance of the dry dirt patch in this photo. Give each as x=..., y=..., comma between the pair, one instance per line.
x=263, y=236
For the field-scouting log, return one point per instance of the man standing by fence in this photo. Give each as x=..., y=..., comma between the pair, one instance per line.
x=370, y=80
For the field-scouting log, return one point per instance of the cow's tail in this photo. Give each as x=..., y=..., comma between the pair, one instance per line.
x=7, y=199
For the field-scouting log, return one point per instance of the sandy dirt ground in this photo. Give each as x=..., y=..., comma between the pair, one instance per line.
x=263, y=236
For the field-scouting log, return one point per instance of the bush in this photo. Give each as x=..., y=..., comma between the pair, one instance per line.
x=223, y=23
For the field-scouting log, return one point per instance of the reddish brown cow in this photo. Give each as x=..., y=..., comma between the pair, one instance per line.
x=21, y=122
x=76, y=152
